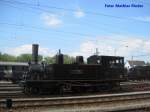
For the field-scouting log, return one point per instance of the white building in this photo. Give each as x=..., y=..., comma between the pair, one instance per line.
x=132, y=63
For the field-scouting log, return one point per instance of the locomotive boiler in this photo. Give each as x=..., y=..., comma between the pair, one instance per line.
x=99, y=73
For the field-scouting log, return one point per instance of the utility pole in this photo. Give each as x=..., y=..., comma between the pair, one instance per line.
x=97, y=52
x=132, y=60
x=115, y=52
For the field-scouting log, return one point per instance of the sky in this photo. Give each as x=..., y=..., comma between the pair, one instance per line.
x=77, y=27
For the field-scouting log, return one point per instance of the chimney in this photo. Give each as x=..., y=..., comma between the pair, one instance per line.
x=35, y=53
x=59, y=58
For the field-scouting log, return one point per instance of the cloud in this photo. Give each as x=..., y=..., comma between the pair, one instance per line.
x=51, y=20
x=128, y=46
x=143, y=18
x=79, y=13
x=88, y=48
x=28, y=49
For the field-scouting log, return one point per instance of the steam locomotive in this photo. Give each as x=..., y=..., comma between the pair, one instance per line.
x=99, y=73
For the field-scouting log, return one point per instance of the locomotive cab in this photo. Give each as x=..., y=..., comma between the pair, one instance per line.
x=112, y=66
x=107, y=61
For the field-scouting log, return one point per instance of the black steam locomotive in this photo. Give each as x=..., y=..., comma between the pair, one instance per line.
x=100, y=72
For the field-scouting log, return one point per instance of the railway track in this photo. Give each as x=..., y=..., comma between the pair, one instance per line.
x=109, y=102
x=136, y=86
x=9, y=90
x=14, y=91
x=102, y=102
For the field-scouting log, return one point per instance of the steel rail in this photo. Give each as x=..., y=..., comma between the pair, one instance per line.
x=122, y=99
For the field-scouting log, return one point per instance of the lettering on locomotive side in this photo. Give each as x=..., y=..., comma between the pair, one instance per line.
x=77, y=71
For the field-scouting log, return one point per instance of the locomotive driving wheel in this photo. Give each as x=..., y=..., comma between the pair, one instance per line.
x=27, y=90
x=63, y=88
x=58, y=90
x=35, y=90
x=76, y=89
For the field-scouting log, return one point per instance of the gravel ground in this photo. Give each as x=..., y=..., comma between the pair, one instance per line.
x=46, y=109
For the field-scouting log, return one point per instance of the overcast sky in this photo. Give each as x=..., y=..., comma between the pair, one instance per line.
x=77, y=27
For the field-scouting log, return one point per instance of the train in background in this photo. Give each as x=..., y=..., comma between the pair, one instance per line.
x=138, y=73
x=99, y=73
x=13, y=71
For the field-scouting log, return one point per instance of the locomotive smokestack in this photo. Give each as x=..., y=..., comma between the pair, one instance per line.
x=35, y=53
x=59, y=58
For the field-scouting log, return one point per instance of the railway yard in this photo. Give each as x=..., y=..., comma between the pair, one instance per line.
x=134, y=97
x=74, y=56
x=102, y=85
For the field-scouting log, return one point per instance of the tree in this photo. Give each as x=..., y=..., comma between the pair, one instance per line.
x=24, y=58
x=27, y=58
x=67, y=59
x=148, y=63
x=49, y=60
x=0, y=56
x=7, y=57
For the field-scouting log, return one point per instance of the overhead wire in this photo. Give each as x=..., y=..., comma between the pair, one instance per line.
x=42, y=7
x=75, y=33
x=60, y=36
x=39, y=5
x=72, y=10
x=85, y=23
x=84, y=35
x=22, y=25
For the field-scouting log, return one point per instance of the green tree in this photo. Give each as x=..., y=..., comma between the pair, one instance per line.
x=67, y=59
x=7, y=57
x=27, y=58
x=24, y=58
x=49, y=60
x=0, y=56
